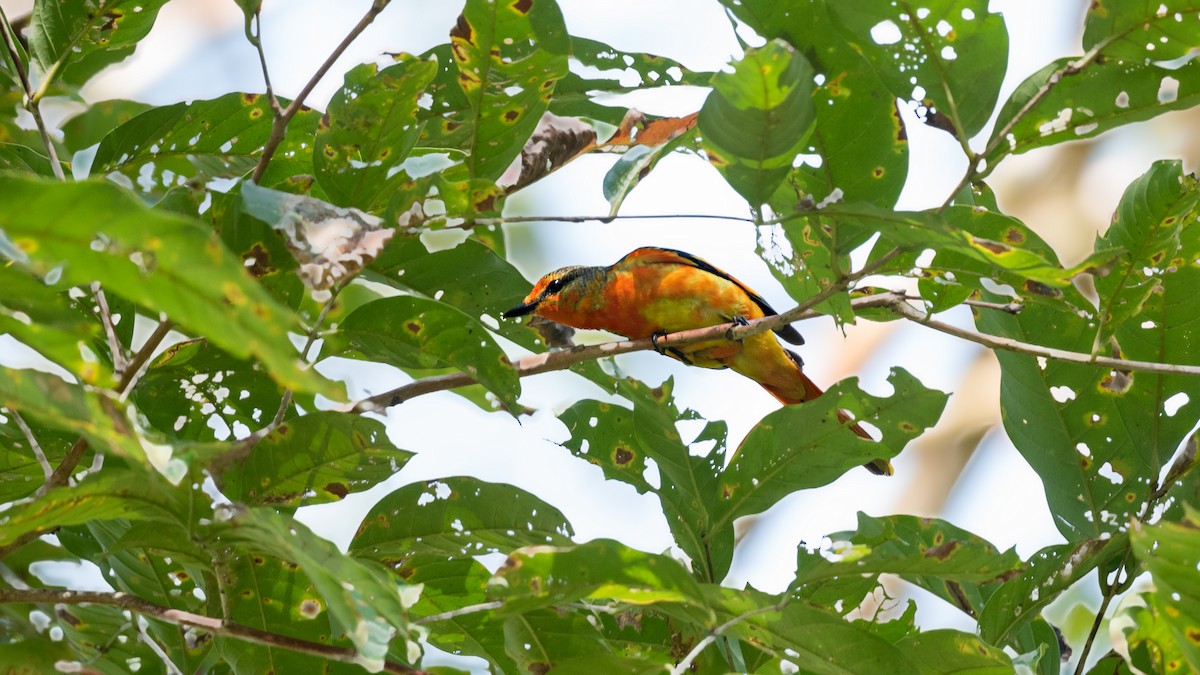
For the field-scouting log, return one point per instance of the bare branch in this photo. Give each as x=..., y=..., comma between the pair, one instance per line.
x=485, y=222
x=279, y=128
x=110, y=329
x=133, y=369
x=47, y=470
x=181, y=618
x=31, y=101
x=469, y=609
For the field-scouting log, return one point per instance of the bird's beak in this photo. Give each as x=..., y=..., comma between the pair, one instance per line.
x=520, y=310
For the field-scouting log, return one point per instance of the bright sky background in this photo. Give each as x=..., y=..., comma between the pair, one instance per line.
x=197, y=51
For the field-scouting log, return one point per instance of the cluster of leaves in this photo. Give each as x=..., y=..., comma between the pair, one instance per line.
x=200, y=456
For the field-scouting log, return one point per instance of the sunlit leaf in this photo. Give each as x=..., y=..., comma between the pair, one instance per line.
x=77, y=39
x=1171, y=553
x=313, y=459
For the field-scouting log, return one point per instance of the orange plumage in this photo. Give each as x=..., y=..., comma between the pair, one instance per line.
x=653, y=291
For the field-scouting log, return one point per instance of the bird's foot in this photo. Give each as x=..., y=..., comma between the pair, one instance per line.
x=737, y=321
x=655, y=337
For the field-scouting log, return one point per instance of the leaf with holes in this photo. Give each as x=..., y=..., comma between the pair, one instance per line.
x=368, y=131
x=951, y=651
x=198, y=392
x=314, y=459
x=945, y=560
x=508, y=57
x=757, y=119
x=218, y=138
x=1171, y=553
x=75, y=40
x=161, y=261
x=1161, y=31
x=805, y=446
x=537, y=577
x=457, y=516
x=1105, y=94
x=417, y=332
x=948, y=56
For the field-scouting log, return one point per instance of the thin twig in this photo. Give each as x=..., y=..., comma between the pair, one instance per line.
x=915, y=315
x=181, y=618
x=505, y=220
x=110, y=329
x=47, y=470
x=60, y=477
x=469, y=609
x=1006, y=307
x=256, y=40
x=686, y=663
x=279, y=127
x=133, y=369
x=31, y=102
x=286, y=401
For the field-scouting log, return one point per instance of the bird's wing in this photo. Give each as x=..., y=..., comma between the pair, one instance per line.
x=669, y=256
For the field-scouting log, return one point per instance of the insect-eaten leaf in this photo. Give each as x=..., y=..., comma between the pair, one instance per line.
x=331, y=243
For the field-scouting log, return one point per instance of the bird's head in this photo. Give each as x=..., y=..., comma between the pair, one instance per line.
x=557, y=293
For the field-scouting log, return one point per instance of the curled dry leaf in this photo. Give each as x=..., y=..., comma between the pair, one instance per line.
x=331, y=243
x=556, y=141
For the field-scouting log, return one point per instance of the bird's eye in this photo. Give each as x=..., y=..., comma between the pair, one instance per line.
x=555, y=285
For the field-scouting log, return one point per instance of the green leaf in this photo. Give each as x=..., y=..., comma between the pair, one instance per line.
x=68, y=407
x=75, y=40
x=859, y=137
x=1171, y=553
x=948, y=56
x=368, y=131
x=457, y=516
x=933, y=554
x=363, y=602
x=757, y=119
x=1048, y=573
x=616, y=72
x=1149, y=642
x=91, y=126
x=546, y=576
x=277, y=596
x=20, y=472
x=451, y=584
x=218, y=138
x=634, y=165
x=314, y=459
x=951, y=651
x=805, y=446
x=195, y=391
x=469, y=276
x=1105, y=94
x=416, y=332
x=104, y=638
x=17, y=158
x=45, y=320
x=508, y=57
x=163, y=262
x=1137, y=33
x=112, y=494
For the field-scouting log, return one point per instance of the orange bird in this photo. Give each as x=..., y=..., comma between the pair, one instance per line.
x=654, y=291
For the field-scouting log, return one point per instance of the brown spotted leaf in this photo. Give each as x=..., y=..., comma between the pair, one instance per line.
x=1171, y=553
x=314, y=459
x=75, y=40
x=413, y=332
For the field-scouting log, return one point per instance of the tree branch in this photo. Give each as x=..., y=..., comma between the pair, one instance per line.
x=181, y=618
x=110, y=330
x=133, y=369
x=504, y=220
x=47, y=470
x=279, y=128
x=31, y=102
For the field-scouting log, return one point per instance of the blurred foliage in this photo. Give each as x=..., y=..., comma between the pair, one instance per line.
x=201, y=453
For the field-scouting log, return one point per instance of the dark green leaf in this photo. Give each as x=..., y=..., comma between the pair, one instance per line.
x=222, y=137
x=76, y=39
x=457, y=516
x=948, y=56
x=17, y=158
x=805, y=446
x=1137, y=33
x=933, y=554
x=161, y=261
x=369, y=129
x=195, y=391
x=20, y=472
x=1171, y=553
x=951, y=651
x=313, y=459
x=113, y=494
x=420, y=333
x=91, y=126
x=757, y=119
x=545, y=576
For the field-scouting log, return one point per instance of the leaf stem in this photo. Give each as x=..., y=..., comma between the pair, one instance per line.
x=179, y=617
x=31, y=103
x=110, y=330
x=47, y=470
x=282, y=119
